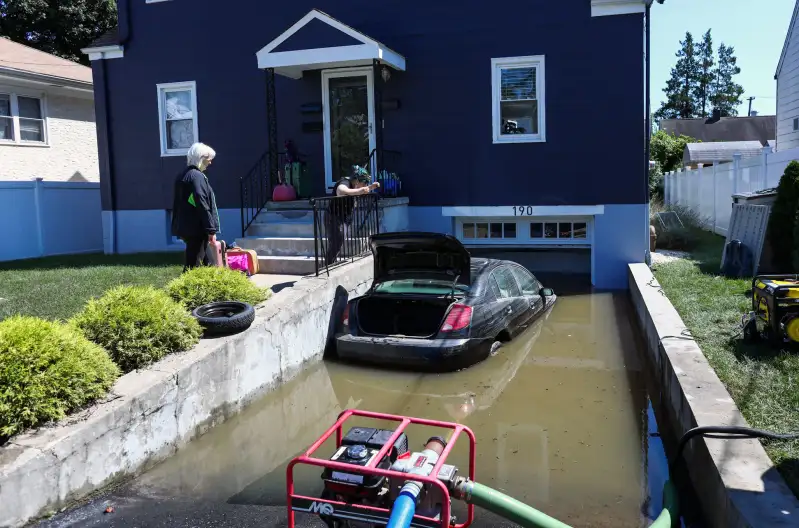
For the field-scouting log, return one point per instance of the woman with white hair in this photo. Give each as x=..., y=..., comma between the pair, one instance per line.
x=195, y=218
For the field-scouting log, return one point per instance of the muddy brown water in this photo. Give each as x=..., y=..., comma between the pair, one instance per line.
x=561, y=415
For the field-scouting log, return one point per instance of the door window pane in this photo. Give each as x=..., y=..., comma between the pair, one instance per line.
x=550, y=230
x=536, y=230
x=349, y=124
x=482, y=231
x=526, y=281
x=468, y=231
x=496, y=230
x=565, y=230
x=506, y=282
x=510, y=230
x=580, y=230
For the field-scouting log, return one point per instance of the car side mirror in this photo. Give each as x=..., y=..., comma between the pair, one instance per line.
x=546, y=292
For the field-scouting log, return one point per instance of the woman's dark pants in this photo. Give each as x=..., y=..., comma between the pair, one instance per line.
x=196, y=252
x=334, y=227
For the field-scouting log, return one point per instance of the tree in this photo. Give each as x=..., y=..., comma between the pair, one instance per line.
x=667, y=149
x=704, y=88
x=682, y=86
x=726, y=93
x=782, y=219
x=60, y=27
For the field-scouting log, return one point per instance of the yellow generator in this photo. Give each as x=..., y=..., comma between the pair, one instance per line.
x=775, y=309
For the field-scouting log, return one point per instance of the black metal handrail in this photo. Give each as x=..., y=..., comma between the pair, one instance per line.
x=387, y=173
x=343, y=226
x=257, y=185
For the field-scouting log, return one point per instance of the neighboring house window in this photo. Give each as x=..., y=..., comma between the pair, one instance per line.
x=22, y=119
x=518, y=99
x=795, y=123
x=177, y=114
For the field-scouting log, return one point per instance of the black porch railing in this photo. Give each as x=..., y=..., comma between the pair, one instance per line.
x=257, y=185
x=387, y=171
x=343, y=226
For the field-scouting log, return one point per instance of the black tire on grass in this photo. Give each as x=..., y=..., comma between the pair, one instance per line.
x=224, y=317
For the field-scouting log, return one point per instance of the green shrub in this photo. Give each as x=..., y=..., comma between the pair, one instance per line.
x=782, y=219
x=47, y=369
x=138, y=325
x=656, y=183
x=212, y=284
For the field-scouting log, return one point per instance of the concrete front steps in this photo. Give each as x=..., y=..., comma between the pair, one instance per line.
x=283, y=237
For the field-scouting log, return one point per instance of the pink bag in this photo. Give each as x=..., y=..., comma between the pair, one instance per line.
x=238, y=262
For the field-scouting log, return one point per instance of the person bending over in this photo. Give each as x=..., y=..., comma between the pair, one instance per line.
x=339, y=212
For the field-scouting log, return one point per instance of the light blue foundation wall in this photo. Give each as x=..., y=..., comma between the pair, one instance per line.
x=149, y=231
x=621, y=236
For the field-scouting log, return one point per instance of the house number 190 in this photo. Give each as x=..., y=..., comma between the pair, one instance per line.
x=522, y=210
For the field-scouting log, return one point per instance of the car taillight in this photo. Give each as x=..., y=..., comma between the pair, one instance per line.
x=458, y=318
x=345, y=317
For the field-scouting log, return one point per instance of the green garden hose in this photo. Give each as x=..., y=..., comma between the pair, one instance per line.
x=528, y=517
x=504, y=506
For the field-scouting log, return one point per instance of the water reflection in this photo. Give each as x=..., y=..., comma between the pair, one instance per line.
x=560, y=417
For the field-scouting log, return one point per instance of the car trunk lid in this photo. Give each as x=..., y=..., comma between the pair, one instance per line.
x=417, y=255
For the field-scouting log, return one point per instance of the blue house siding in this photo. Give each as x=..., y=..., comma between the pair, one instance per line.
x=594, y=99
x=595, y=121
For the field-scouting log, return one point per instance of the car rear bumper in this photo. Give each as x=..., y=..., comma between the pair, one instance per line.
x=446, y=354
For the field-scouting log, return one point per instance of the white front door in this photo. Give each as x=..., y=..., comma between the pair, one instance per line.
x=349, y=114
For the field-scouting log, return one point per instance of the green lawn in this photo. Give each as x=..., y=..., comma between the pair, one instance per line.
x=764, y=382
x=58, y=287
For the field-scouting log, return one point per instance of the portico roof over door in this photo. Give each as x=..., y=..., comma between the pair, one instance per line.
x=351, y=48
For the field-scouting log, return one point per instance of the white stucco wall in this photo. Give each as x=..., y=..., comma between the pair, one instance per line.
x=72, y=145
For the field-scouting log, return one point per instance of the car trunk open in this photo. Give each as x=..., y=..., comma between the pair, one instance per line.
x=394, y=315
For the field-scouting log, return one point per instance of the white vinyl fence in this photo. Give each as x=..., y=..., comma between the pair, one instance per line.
x=42, y=218
x=708, y=191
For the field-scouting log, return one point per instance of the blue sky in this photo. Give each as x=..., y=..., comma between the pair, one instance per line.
x=755, y=31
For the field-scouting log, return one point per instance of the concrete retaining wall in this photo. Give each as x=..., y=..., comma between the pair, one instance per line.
x=152, y=413
x=735, y=480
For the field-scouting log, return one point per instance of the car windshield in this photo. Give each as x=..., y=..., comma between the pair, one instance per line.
x=425, y=286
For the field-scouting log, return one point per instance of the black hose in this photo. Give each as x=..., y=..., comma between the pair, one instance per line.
x=724, y=432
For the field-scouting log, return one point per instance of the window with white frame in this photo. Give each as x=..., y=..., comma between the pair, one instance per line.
x=22, y=119
x=534, y=231
x=177, y=115
x=518, y=99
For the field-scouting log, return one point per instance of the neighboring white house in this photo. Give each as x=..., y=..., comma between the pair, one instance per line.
x=47, y=125
x=788, y=88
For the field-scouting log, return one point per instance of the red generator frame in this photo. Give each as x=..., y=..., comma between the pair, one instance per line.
x=314, y=505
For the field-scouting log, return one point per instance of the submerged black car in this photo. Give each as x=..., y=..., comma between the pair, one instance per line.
x=432, y=305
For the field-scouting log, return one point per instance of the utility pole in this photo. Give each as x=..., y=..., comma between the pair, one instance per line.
x=750, y=105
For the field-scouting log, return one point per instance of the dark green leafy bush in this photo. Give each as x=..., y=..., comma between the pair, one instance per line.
x=782, y=219
x=138, y=325
x=212, y=284
x=47, y=369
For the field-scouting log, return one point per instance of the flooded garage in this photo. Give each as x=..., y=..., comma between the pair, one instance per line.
x=561, y=415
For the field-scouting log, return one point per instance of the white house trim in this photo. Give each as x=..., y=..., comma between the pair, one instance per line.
x=617, y=7
x=293, y=63
x=104, y=52
x=522, y=210
x=787, y=40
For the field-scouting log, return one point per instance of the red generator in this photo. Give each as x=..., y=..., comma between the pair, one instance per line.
x=370, y=466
